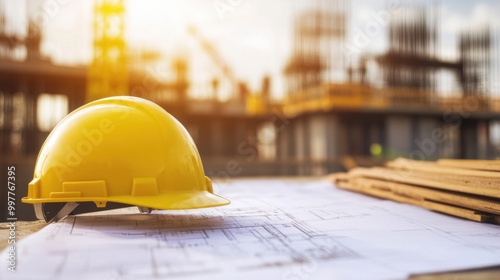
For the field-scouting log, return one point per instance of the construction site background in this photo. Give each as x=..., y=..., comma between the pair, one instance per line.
x=339, y=102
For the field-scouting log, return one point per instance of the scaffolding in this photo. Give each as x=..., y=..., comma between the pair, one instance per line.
x=318, y=38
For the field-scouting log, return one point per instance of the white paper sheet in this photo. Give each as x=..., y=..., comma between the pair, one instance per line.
x=274, y=229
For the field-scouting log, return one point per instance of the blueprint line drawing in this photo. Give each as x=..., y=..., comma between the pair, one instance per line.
x=274, y=229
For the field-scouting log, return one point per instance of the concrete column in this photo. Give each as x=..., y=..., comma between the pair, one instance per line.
x=30, y=143
x=399, y=138
x=300, y=144
x=333, y=136
x=427, y=138
x=469, y=139
x=5, y=137
x=450, y=144
x=298, y=134
x=283, y=143
x=318, y=137
x=318, y=142
x=286, y=147
x=217, y=138
x=483, y=135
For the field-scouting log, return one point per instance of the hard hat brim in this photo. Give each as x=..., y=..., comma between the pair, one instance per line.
x=165, y=201
x=176, y=201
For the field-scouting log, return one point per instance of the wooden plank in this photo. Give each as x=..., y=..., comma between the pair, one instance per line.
x=377, y=193
x=465, y=188
x=456, y=211
x=431, y=205
x=458, y=199
x=490, y=165
x=476, y=274
x=454, y=179
x=402, y=176
x=435, y=168
x=485, y=188
x=338, y=177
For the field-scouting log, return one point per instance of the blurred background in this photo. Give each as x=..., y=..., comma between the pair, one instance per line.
x=265, y=88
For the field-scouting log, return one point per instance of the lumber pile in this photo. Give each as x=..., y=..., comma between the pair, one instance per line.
x=468, y=189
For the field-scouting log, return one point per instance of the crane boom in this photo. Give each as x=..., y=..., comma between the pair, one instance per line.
x=215, y=56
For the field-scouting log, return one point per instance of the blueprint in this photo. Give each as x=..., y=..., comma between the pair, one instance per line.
x=273, y=229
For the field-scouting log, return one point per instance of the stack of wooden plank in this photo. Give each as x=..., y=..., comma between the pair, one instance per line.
x=468, y=189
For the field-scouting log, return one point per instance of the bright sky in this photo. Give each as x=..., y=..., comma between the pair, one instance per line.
x=253, y=36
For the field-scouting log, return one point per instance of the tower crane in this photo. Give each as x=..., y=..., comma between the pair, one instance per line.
x=237, y=86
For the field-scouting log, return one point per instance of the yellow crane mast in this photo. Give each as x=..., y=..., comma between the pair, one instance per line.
x=108, y=73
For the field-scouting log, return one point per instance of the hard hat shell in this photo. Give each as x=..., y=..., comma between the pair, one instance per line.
x=121, y=149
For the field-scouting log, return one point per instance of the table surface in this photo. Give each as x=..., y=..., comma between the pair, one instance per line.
x=25, y=228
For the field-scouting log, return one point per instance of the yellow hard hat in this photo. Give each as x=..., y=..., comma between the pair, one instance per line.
x=123, y=151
